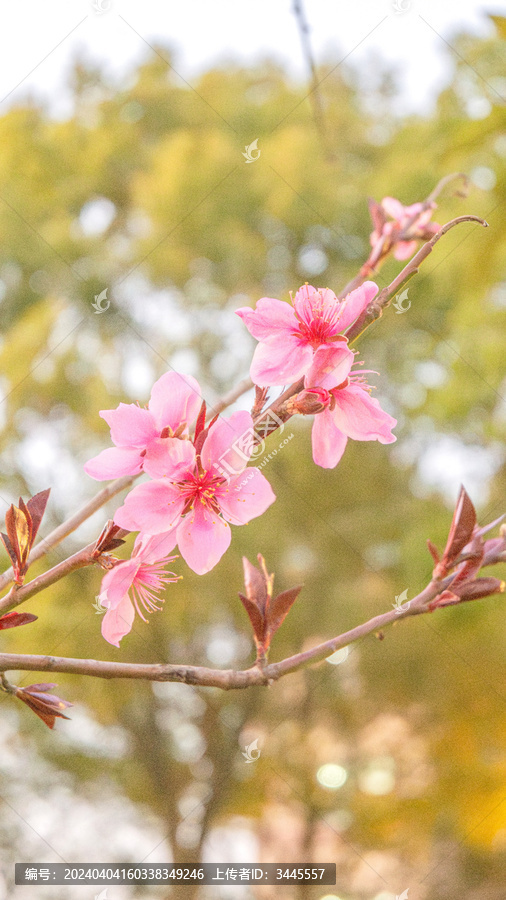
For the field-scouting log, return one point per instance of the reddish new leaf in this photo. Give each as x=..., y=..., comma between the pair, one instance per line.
x=265, y=614
x=256, y=618
x=22, y=524
x=13, y=619
x=46, y=706
x=110, y=537
x=37, y=507
x=18, y=533
x=280, y=607
x=257, y=588
x=201, y=419
x=10, y=549
x=258, y=584
x=463, y=522
x=377, y=214
x=433, y=551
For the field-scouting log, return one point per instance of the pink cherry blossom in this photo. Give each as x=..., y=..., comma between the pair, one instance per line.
x=349, y=410
x=420, y=228
x=290, y=336
x=132, y=585
x=136, y=432
x=196, y=498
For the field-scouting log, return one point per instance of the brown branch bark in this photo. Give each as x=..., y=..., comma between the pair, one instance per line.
x=62, y=531
x=226, y=679
x=375, y=308
x=20, y=593
x=245, y=385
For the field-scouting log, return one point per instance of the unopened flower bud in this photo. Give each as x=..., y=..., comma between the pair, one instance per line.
x=481, y=587
x=309, y=402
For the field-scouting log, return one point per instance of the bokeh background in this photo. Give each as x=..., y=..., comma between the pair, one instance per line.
x=121, y=168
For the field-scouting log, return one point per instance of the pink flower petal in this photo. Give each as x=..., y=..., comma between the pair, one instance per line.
x=270, y=316
x=310, y=300
x=304, y=294
x=152, y=548
x=415, y=208
x=203, y=537
x=118, y=622
x=114, y=462
x=280, y=361
x=228, y=445
x=331, y=366
x=360, y=416
x=174, y=399
x=169, y=456
x=153, y=507
x=130, y=425
x=245, y=497
x=327, y=440
x=118, y=581
x=393, y=207
x=355, y=303
x=405, y=249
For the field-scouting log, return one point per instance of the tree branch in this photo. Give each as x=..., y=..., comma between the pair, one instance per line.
x=20, y=593
x=70, y=525
x=245, y=385
x=227, y=679
x=375, y=308
x=370, y=314
x=375, y=258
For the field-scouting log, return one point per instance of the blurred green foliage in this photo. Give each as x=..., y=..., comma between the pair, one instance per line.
x=144, y=191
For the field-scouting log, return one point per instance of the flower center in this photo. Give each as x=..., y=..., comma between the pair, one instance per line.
x=318, y=321
x=200, y=486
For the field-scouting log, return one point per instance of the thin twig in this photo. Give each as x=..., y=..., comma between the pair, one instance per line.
x=62, y=531
x=371, y=267
x=228, y=679
x=245, y=385
x=375, y=308
x=314, y=94
x=20, y=593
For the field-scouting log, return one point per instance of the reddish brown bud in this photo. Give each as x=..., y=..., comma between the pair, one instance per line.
x=22, y=524
x=46, y=706
x=309, y=402
x=110, y=538
x=265, y=613
x=481, y=587
x=13, y=619
x=461, y=530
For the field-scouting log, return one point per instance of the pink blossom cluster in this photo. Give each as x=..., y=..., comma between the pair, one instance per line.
x=187, y=502
x=391, y=220
x=309, y=340
x=196, y=489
